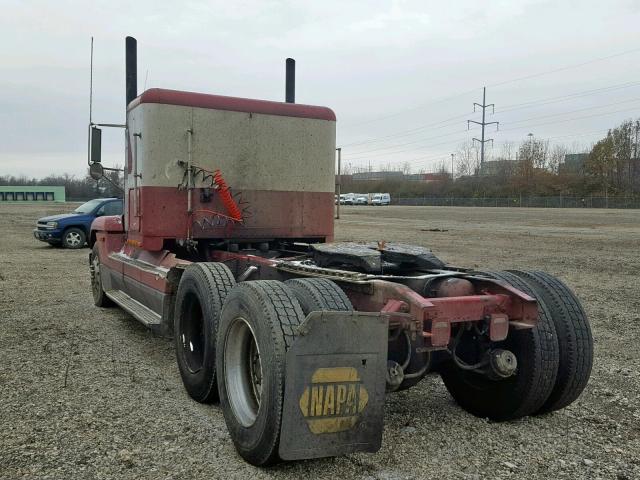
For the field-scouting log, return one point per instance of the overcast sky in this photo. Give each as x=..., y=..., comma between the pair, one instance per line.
x=401, y=75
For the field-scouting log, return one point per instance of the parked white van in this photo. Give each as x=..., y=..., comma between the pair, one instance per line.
x=347, y=199
x=361, y=200
x=381, y=199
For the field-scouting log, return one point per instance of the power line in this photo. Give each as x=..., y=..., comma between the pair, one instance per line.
x=377, y=149
x=507, y=108
x=402, y=112
x=405, y=133
x=365, y=154
x=447, y=142
x=513, y=80
x=597, y=132
x=443, y=153
x=483, y=124
x=440, y=155
x=571, y=119
x=576, y=111
x=451, y=142
x=562, y=98
x=583, y=134
x=569, y=67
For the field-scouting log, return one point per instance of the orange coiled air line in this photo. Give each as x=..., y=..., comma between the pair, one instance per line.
x=225, y=195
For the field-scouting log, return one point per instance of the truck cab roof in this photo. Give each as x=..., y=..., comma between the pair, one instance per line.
x=234, y=104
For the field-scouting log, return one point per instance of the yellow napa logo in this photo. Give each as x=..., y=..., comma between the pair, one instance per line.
x=334, y=400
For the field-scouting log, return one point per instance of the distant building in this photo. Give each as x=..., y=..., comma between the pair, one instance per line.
x=573, y=163
x=343, y=178
x=377, y=176
x=427, y=177
x=24, y=193
x=395, y=175
x=498, y=167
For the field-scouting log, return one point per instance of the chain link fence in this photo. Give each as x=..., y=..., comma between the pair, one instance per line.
x=522, y=201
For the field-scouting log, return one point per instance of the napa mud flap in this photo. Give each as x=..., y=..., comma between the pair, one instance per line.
x=335, y=386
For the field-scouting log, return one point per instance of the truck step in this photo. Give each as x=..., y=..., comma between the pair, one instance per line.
x=142, y=313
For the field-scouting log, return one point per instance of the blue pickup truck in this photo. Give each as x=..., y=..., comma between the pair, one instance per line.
x=71, y=229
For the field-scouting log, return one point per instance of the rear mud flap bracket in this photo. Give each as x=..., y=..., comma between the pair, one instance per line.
x=335, y=386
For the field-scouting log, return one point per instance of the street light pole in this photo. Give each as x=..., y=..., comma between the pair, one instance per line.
x=530, y=166
x=452, y=174
x=339, y=182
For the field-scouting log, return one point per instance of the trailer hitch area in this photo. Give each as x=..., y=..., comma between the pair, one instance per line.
x=335, y=385
x=501, y=308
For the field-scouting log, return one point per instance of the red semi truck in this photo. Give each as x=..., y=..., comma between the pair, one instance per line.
x=226, y=244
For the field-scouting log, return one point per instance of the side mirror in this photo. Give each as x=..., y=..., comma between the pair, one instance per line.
x=96, y=145
x=96, y=171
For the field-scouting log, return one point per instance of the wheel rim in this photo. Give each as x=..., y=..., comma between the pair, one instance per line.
x=73, y=239
x=478, y=381
x=243, y=372
x=192, y=335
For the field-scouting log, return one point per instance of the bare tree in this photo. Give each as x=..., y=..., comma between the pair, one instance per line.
x=556, y=157
x=507, y=151
x=466, y=159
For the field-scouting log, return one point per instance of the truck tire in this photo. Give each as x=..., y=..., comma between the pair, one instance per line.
x=100, y=299
x=319, y=294
x=574, y=338
x=525, y=392
x=201, y=294
x=73, y=238
x=257, y=327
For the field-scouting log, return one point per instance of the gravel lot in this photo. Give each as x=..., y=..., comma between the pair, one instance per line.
x=89, y=393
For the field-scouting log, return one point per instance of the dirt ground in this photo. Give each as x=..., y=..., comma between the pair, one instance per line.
x=90, y=393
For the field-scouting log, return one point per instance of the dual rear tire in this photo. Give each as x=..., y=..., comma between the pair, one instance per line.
x=573, y=332
x=554, y=358
x=201, y=293
x=257, y=327
x=244, y=332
